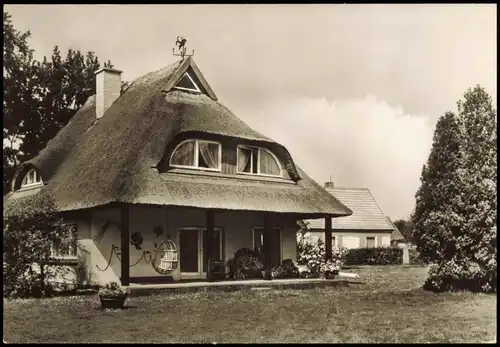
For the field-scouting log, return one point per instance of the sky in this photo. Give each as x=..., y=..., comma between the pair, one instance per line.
x=353, y=91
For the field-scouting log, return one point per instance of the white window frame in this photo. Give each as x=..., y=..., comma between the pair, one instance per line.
x=258, y=161
x=197, y=90
x=37, y=179
x=254, y=229
x=373, y=237
x=196, y=156
x=69, y=256
x=335, y=241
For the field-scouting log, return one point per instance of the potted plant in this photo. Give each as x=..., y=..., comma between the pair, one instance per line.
x=112, y=295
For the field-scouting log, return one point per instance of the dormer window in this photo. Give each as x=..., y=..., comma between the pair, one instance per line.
x=258, y=161
x=197, y=154
x=187, y=83
x=32, y=179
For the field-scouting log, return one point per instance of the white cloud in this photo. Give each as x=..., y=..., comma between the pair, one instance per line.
x=359, y=142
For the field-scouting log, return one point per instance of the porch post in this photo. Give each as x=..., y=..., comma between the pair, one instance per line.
x=210, y=216
x=125, y=241
x=268, y=245
x=328, y=238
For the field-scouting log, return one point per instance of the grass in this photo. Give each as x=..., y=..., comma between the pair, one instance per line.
x=389, y=307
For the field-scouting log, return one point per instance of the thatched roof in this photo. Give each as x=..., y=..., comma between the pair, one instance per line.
x=114, y=159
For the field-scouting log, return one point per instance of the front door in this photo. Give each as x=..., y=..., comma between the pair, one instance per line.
x=192, y=251
x=189, y=258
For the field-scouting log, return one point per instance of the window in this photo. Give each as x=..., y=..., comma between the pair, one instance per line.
x=187, y=83
x=198, y=154
x=257, y=161
x=370, y=242
x=333, y=242
x=66, y=248
x=32, y=178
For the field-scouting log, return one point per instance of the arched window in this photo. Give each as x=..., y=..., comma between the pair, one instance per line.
x=197, y=154
x=32, y=178
x=258, y=161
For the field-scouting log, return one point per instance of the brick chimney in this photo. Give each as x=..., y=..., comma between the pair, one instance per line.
x=329, y=185
x=108, y=85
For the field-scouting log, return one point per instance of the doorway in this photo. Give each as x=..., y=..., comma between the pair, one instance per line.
x=193, y=251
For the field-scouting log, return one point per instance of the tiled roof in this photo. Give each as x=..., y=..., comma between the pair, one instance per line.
x=366, y=215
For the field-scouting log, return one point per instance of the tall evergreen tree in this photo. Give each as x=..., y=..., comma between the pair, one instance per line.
x=439, y=200
x=455, y=215
x=478, y=120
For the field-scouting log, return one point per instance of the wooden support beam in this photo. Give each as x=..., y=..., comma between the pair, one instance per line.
x=328, y=238
x=268, y=245
x=125, y=244
x=210, y=221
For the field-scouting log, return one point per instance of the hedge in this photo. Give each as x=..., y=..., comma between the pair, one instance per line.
x=374, y=256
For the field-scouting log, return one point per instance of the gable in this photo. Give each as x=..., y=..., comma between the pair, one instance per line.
x=188, y=78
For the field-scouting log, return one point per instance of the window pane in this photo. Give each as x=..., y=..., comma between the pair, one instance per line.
x=255, y=157
x=184, y=154
x=186, y=83
x=244, y=159
x=333, y=241
x=31, y=178
x=208, y=155
x=268, y=165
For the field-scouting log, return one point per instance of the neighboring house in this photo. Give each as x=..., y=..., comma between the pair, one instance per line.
x=366, y=227
x=161, y=181
x=397, y=239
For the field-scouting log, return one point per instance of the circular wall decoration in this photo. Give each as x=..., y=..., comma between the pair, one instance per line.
x=166, y=258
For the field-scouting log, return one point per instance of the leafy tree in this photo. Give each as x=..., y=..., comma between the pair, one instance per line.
x=39, y=97
x=18, y=79
x=406, y=228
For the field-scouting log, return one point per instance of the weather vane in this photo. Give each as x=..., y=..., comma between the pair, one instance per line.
x=181, y=47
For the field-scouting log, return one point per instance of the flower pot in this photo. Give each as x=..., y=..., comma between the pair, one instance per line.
x=117, y=302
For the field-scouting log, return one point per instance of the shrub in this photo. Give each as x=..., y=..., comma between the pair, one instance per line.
x=290, y=269
x=312, y=255
x=374, y=256
x=30, y=226
x=415, y=258
x=246, y=264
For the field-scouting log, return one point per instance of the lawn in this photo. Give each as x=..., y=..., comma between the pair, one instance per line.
x=388, y=307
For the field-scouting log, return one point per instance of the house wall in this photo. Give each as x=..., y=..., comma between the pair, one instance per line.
x=103, y=233
x=382, y=239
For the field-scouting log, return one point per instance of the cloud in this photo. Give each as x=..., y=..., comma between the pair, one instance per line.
x=362, y=142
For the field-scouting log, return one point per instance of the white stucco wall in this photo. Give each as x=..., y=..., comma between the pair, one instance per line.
x=382, y=239
x=237, y=227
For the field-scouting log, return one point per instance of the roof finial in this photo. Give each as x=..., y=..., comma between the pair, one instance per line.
x=181, y=47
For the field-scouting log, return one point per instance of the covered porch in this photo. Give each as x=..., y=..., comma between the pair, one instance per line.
x=202, y=251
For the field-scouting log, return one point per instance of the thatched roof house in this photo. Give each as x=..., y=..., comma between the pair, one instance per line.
x=166, y=141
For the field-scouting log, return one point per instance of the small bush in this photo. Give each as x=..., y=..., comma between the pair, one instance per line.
x=374, y=256
x=246, y=264
x=30, y=225
x=459, y=275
